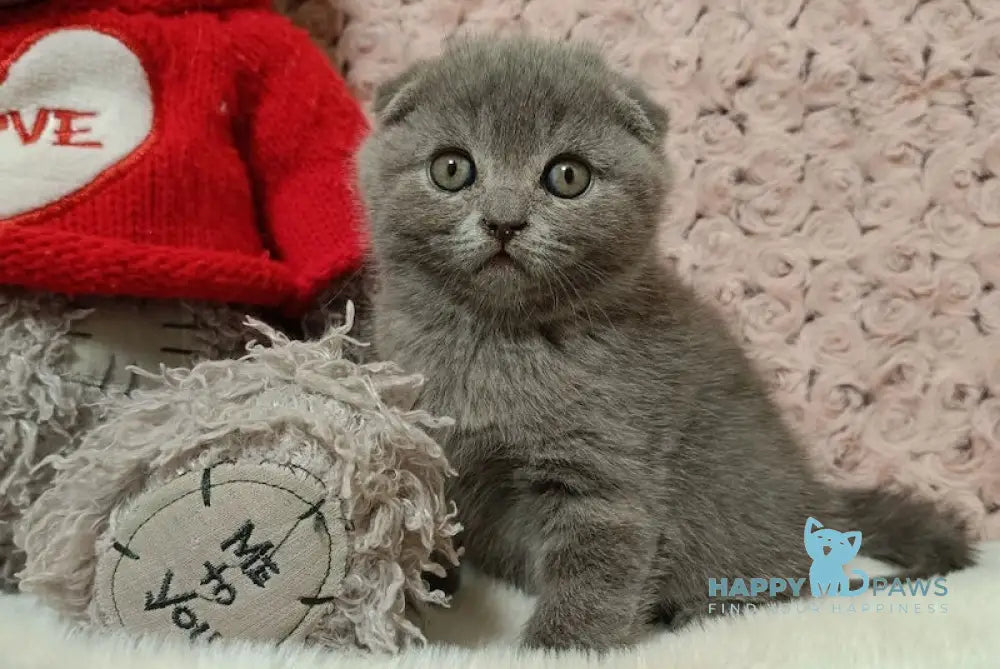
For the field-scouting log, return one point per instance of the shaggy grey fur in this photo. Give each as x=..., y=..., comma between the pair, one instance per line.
x=40, y=410
x=45, y=407
x=614, y=448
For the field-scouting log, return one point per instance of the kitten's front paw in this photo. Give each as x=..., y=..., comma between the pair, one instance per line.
x=552, y=633
x=538, y=638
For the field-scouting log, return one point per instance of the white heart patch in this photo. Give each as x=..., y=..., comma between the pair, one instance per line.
x=73, y=105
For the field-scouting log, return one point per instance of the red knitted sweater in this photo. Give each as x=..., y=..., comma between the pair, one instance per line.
x=196, y=149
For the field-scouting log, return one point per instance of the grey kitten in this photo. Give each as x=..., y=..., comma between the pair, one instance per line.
x=614, y=448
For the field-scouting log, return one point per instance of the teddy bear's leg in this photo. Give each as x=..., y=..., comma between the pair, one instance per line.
x=233, y=550
x=287, y=494
x=60, y=360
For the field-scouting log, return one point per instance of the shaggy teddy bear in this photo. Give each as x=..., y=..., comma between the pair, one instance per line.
x=288, y=494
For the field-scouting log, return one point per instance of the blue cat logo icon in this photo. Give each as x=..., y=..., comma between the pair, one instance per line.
x=830, y=550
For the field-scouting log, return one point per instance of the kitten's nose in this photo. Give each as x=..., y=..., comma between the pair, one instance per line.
x=504, y=231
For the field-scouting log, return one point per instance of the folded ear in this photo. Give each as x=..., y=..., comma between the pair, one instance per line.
x=396, y=98
x=643, y=117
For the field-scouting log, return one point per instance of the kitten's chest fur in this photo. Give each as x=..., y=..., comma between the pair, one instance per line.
x=495, y=385
x=517, y=400
x=516, y=394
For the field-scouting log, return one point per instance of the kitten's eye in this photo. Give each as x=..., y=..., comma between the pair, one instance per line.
x=566, y=177
x=452, y=171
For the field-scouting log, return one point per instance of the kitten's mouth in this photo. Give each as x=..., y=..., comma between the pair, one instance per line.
x=827, y=550
x=502, y=260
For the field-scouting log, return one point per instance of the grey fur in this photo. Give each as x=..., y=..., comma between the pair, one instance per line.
x=614, y=448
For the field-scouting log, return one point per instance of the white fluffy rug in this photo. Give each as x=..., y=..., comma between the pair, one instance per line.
x=478, y=633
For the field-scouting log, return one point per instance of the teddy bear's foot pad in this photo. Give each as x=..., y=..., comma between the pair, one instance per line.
x=231, y=551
